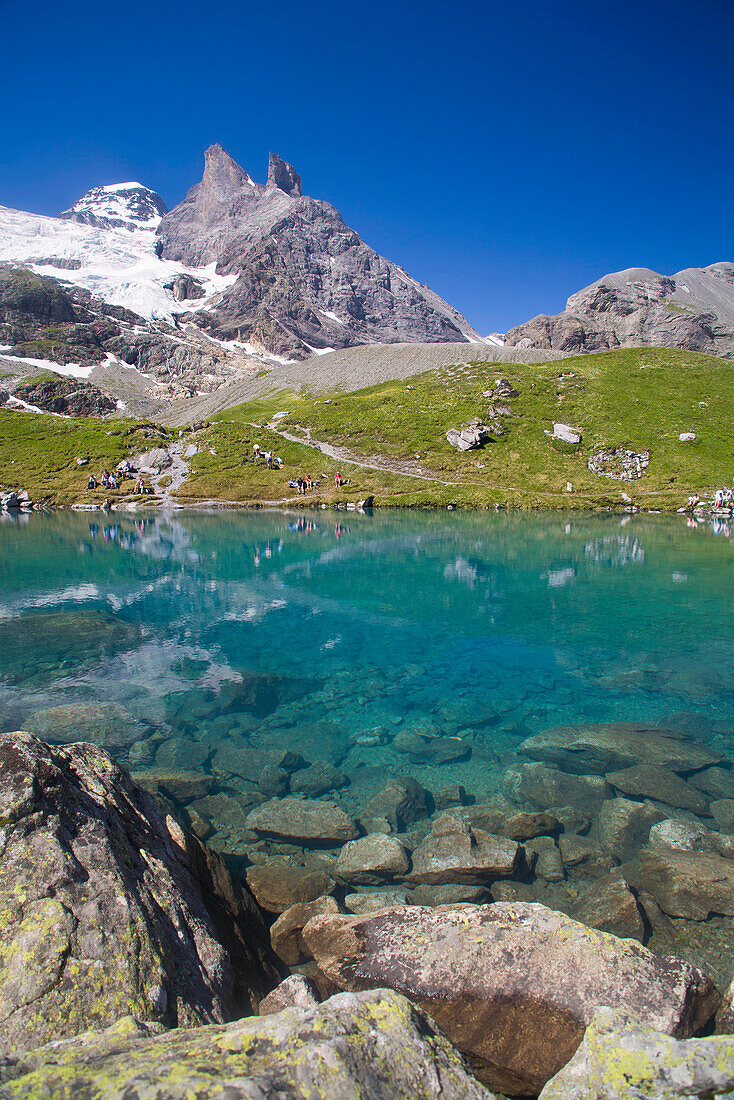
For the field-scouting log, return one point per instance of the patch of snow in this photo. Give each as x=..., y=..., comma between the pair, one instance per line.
x=69, y=370
x=496, y=339
x=332, y=316
x=319, y=351
x=17, y=402
x=121, y=404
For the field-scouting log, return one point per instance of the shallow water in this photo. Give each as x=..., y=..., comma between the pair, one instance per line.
x=350, y=627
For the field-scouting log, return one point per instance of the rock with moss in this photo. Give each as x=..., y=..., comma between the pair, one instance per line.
x=374, y=1044
x=108, y=908
x=622, y=1057
x=513, y=985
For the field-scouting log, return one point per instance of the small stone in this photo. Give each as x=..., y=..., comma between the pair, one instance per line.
x=609, y=904
x=278, y=886
x=624, y=826
x=372, y=902
x=285, y=933
x=526, y=826
x=295, y=992
x=318, y=779
x=449, y=796
x=302, y=819
x=371, y=860
x=450, y=894
x=400, y=802
x=273, y=781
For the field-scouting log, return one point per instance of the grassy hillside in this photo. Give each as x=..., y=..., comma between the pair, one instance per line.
x=635, y=398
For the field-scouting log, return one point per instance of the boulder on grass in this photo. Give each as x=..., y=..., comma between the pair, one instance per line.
x=512, y=985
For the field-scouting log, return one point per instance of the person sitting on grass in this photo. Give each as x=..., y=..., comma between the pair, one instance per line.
x=139, y=486
x=92, y=483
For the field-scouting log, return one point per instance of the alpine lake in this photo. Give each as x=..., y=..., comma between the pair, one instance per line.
x=506, y=662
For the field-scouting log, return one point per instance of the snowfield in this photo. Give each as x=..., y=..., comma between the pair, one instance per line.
x=118, y=265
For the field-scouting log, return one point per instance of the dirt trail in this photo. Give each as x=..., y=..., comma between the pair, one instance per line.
x=177, y=472
x=343, y=454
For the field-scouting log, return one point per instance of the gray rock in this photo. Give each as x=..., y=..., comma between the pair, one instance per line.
x=621, y=1057
x=693, y=309
x=105, y=724
x=623, y=826
x=566, y=433
x=548, y=863
x=652, y=781
x=105, y=899
x=298, y=991
x=609, y=904
x=272, y=781
x=453, y=852
x=684, y=836
x=181, y=786
x=319, y=778
x=373, y=901
x=371, y=860
x=285, y=933
x=450, y=894
x=725, y=1015
x=302, y=819
x=428, y=749
x=373, y=1044
x=401, y=802
x=717, y=783
x=449, y=796
x=547, y=788
x=685, y=884
x=279, y=884
x=602, y=747
x=513, y=985
x=304, y=279
x=722, y=811
x=578, y=852
x=153, y=462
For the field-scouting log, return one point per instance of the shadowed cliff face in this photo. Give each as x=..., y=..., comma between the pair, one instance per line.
x=638, y=307
x=306, y=280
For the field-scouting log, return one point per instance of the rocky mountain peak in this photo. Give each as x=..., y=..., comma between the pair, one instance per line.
x=223, y=176
x=283, y=175
x=118, y=206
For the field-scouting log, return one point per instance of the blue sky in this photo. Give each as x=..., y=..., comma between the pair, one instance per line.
x=507, y=154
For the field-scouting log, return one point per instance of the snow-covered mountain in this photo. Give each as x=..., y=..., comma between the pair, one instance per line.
x=118, y=206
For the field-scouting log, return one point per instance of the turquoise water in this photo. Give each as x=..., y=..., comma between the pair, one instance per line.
x=338, y=634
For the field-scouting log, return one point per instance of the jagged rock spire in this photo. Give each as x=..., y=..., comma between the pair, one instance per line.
x=283, y=175
x=222, y=175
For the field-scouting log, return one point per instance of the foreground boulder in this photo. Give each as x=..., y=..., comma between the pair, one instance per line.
x=513, y=985
x=621, y=1057
x=375, y=1045
x=109, y=908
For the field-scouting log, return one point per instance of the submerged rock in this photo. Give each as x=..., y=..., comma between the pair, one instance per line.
x=609, y=904
x=371, y=860
x=303, y=819
x=105, y=724
x=512, y=985
x=598, y=748
x=546, y=788
x=400, y=802
x=652, y=781
x=277, y=884
x=685, y=884
x=109, y=907
x=453, y=852
x=374, y=1044
x=623, y=826
x=622, y=1057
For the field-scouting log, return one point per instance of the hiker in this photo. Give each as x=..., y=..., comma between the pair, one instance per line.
x=139, y=487
x=338, y=480
x=92, y=483
x=112, y=482
x=267, y=455
x=309, y=482
x=255, y=451
x=278, y=462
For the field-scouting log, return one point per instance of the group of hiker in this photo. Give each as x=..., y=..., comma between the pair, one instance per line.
x=110, y=479
x=302, y=483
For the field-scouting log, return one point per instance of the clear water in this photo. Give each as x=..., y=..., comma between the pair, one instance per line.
x=350, y=629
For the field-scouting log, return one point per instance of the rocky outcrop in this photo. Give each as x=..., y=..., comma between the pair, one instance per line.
x=693, y=309
x=305, y=280
x=66, y=397
x=621, y=1057
x=109, y=908
x=375, y=1045
x=513, y=985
